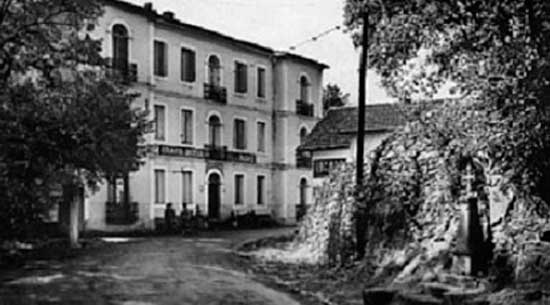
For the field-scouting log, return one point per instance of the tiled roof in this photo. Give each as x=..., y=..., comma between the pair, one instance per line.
x=338, y=128
x=173, y=21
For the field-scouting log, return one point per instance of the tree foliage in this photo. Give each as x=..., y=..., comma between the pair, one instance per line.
x=63, y=120
x=496, y=52
x=333, y=97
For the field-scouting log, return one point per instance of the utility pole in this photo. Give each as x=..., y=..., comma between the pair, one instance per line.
x=360, y=222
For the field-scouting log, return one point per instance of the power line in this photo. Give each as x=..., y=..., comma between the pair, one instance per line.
x=315, y=38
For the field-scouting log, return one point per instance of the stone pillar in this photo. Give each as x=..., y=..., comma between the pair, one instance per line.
x=468, y=254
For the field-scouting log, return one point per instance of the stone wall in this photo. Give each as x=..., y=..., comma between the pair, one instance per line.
x=412, y=191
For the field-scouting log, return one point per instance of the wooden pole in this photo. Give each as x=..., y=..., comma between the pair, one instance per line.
x=359, y=219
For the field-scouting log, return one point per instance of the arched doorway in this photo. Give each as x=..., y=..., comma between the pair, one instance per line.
x=214, y=184
x=214, y=75
x=120, y=47
x=214, y=127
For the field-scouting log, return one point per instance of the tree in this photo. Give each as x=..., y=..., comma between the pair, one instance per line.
x=496, y=53
x=333, y=97
x=63, y=120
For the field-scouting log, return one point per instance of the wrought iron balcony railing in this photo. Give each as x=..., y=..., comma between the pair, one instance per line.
x=303, y=108
x=215, y=93
x=122, y=69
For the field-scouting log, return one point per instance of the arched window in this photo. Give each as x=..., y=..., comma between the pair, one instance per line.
x=304, y=84
x=214, y=127
x=214, y=67
x=303, y=135
x=120, y=47
x=303, y=193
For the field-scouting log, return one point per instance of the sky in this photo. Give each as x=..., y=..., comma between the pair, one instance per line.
x=280, y=24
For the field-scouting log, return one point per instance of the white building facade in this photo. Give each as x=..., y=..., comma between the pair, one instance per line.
x=228, y=116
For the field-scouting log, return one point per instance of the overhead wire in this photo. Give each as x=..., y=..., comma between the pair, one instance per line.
x=316, y=37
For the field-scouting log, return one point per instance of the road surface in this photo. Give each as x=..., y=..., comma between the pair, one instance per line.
x=159, y=270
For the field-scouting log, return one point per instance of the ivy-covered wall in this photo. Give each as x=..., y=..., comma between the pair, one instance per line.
x=413, y=190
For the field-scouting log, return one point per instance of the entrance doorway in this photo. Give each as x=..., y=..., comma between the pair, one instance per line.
x=214, y=183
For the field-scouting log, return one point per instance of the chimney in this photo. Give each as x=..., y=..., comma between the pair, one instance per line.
x=168, y=15
x=148, y=6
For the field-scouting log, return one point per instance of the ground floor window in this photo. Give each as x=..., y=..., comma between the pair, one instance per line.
x=187, y=187
x=260, y=189
x=160, y=196
x=239, y=189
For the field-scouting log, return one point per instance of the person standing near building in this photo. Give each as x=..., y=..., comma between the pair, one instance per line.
x=169, y=218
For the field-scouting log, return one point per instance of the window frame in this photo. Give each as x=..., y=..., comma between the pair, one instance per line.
x=166, y=54
x=261, y=148
x=156, y=186
x=235, y=134
x=191, y=188
x=263, y=84
x=331, y=163
x=236, y=88
x=194, y=52
x=260, y=194
x=165, y=123
x=239, y=200
x=192, y=135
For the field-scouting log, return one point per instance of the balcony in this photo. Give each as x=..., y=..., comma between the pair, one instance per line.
x=303, y=159
x=118, y=213
x=209, y=152
x=303, y=108
x=121, y=69
x=215, y=93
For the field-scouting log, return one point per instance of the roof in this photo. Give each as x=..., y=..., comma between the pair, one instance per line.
x=169, y=19
x=339, y=127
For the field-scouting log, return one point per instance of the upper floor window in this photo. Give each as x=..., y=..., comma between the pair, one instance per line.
x=239, y=134
x=120, y=47
x=261, y=82
x=160, y=122
x=261, y=136
x=214, y=129
x=303, y=135
x=186, y=126
x=214, y=67
x=187, y=65
x=241, y=77
x=161, y=58
x=323, y=167
x=304, y=94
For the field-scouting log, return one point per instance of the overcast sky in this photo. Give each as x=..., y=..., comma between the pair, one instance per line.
x=280, y=24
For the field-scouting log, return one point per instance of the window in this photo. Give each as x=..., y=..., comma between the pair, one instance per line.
x=160, y=122
x=239, y=134
x=323, y=167
x=261, y=136
x=240, y=77
x=159, y=186
x=120, y=47
x=117, y=187
x=260, y=189
x=239, y=189
x=214, y=126
x=187, y=65
x=161, y=58
x=304, y=84
x=303, y=135
x=187, y=187
x=186, y=126
x=214, y=67
x=261, y=82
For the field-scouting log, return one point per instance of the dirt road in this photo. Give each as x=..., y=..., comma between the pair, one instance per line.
x=162, y=270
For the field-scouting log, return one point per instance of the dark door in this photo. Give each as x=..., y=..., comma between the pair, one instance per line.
x=214, y=196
